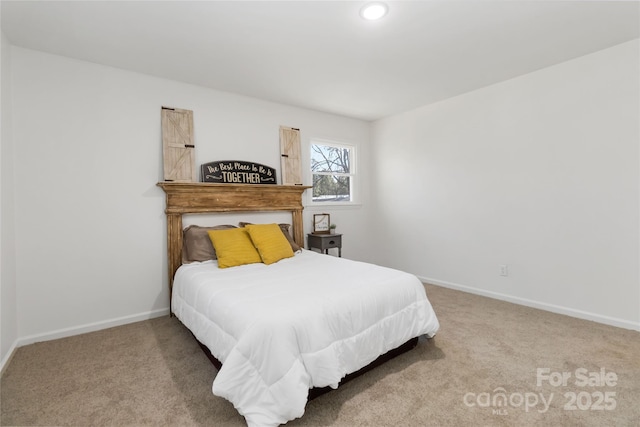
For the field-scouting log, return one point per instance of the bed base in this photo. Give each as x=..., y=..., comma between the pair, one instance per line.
x=409, y=345
x=319, y=391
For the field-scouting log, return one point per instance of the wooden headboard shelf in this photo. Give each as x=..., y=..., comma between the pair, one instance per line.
x=200, y=198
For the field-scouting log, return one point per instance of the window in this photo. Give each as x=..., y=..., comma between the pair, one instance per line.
x=333, y=172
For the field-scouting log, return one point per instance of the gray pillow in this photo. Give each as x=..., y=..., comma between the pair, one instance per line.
x=196, y=244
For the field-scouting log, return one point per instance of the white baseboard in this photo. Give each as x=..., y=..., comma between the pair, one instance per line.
x=7, y=358
x=620, y=323
x=91, y=327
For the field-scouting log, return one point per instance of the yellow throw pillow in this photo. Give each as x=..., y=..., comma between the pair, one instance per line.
x=233, y=247
x=270, y=242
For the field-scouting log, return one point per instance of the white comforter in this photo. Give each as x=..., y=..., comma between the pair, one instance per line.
x=303, y=322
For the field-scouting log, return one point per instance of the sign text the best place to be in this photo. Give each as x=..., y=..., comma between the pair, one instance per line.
x=237, y=172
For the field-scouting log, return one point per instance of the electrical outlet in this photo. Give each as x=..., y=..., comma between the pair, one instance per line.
x=504, y=270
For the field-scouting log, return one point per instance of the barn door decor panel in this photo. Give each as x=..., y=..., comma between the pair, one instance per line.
x=290, y=156
x=178, y=150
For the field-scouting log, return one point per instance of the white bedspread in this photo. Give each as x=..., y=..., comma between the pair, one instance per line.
x=303, y=322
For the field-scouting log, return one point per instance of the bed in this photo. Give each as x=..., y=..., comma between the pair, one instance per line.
x=282, y=329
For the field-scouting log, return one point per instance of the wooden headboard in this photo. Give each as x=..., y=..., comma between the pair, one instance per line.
x=194, y=198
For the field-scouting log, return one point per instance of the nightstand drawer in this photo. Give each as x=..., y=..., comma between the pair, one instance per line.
x=334, y=242
x=325, y=242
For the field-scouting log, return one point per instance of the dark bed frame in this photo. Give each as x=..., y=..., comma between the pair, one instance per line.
x=202, y=198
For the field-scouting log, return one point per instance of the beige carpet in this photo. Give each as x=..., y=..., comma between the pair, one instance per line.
x=153, y=373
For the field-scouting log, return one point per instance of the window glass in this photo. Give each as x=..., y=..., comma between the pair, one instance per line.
x=332, y=172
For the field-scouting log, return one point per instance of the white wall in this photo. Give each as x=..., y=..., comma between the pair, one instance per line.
x=540, y=172
x=8, y=289
x=90, y=226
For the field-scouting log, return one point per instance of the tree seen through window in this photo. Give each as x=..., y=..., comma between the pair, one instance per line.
x=332, y=173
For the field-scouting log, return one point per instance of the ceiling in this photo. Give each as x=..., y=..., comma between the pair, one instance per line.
x=320, y=54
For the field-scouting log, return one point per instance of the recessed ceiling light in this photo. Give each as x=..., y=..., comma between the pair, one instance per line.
x=373, y=11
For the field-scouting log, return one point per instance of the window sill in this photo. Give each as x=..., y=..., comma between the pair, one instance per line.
x=332, y=205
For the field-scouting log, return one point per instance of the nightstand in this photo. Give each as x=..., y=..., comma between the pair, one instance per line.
x=324, y=242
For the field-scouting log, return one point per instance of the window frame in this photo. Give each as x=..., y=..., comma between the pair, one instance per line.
x=353, y=175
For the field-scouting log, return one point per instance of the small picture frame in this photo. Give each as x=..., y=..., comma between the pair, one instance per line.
x=321, y=223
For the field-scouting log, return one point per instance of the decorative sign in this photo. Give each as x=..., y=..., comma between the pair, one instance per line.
x=321, y=223
x=237, y=172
